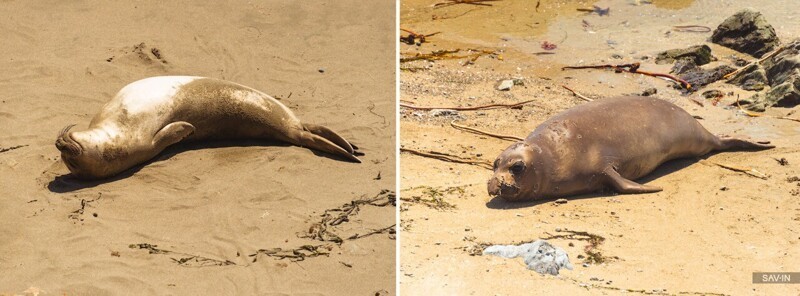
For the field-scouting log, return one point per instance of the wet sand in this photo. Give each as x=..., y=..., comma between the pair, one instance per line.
x=707, y=232
x=188, y=223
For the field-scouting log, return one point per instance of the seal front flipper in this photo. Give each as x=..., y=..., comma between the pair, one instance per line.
x=310, y=140
x=172, y=133
x=625, y=186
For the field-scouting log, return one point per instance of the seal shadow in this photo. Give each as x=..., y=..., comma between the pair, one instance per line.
x=68, y=183
x=664, y=169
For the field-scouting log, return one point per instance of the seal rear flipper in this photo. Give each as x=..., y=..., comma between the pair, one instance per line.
x=316, y=142
x=172, y=133
x=330, y=136
x=625, y=186
x=741, y=144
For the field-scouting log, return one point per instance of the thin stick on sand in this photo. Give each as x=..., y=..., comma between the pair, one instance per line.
x=759, y=61
x=746, y=170
x=633, y=68
x=480, y=132
x=490, y=106
x=447, y=157
x=575, y=93
x=756, y=114
x=471, y=2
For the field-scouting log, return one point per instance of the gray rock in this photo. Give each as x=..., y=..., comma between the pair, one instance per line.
x=699, y=77
x=710, y=94
x=746, y=31
x=784, y=65
x=506, y=85
x=539, y=256
x=649, y=92
x=783, y=75
x=683, y=65
x=443, y=112
x=700, y=54
x=751, y=75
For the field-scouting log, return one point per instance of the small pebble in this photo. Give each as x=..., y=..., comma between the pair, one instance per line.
x=561, y=201
x=505, y=85
x=321, y=70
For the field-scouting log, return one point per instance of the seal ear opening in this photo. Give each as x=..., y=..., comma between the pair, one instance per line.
x=330, y=136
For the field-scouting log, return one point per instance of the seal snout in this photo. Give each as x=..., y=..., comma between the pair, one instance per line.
x=66, y=144
x=499, y=188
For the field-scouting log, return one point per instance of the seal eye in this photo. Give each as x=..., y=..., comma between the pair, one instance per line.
x=517, y=168
x=496, y=163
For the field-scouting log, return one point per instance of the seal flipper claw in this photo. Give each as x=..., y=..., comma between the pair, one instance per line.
x=316, y=142
x=330, y=136
x=172, y=133
x=626, y=186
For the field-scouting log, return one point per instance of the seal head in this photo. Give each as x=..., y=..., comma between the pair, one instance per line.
x=91, y=154
x=515, y=176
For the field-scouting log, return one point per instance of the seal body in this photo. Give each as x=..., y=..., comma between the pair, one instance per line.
x=605, y=143
x=149, y=115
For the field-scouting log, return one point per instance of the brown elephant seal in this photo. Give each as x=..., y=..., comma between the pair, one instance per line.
x=151, y=114
x=603, y=143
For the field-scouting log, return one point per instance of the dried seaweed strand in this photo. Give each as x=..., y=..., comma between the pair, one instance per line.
x=490, y=106
x=577, y=94
x=447, y=55
x=332, y=217
x=297, y=254
x=480, y=132
x=200, y=260
x=390, y=229
x=11, y=148
x=447, y=157
x=633, y=68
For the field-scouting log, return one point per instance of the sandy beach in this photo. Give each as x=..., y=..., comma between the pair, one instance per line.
x=225, y=218
x=704, y=234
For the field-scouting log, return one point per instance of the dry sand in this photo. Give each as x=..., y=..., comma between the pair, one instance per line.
x=707, y=232
x=62, y=60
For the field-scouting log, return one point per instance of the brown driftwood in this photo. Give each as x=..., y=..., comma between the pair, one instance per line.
x=480, y=132
x=471, y=2
x=746, y=170
x=692, y=28
x=633, y=68
x=575, y=93
x=447, y=157
x=484, y=107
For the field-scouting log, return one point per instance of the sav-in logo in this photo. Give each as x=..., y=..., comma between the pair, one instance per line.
x=776, y=277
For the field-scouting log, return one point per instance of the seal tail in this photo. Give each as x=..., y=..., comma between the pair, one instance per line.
x=741, y=144
x=323, y=139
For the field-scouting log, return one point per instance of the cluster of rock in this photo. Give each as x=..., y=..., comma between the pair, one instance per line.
x=747, y=31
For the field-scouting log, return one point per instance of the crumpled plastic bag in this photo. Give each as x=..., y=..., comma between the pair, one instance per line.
x=540, y=256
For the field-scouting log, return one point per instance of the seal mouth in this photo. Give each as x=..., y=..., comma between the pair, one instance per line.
x=66, y=144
